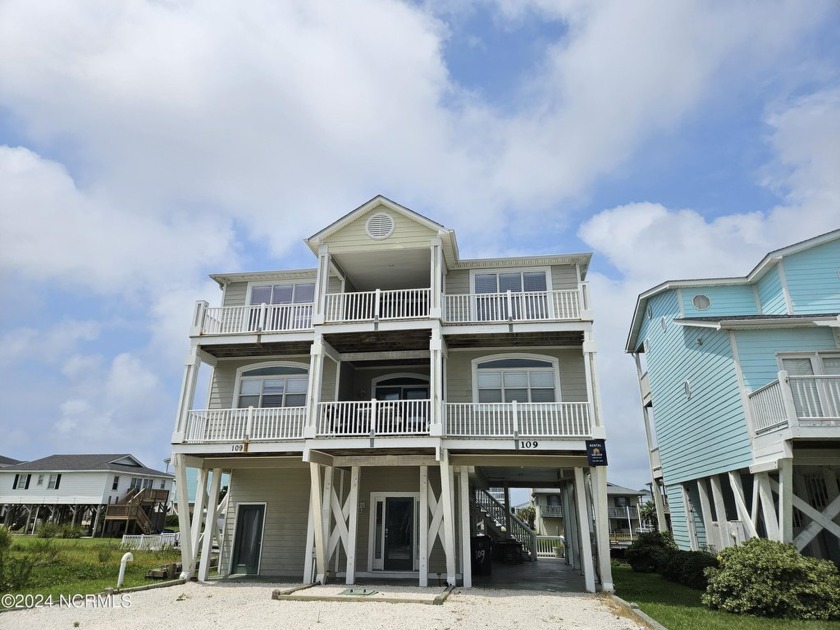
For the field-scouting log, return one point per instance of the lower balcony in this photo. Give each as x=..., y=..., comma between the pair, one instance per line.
x=211, y=426
x=807, y=403
x=515, y=420
x=373, y=418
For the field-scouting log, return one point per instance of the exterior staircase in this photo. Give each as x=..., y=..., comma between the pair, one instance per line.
x=492, y=513
x=134, y=508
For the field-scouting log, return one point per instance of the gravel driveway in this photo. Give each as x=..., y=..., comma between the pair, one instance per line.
x=249, y=605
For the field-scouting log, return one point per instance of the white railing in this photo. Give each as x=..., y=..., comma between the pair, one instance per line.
x=377, y=305
x=628, y=511
x=796, y=400
x=554, y=419
x=547, y=546
x=235, y=425
x=263, y=318
x=511, y=306
x=519, y=531
x=150, y=542
x=551, y=511
x=373, y=417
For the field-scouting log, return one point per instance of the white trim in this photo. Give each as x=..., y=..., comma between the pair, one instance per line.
x=680, y=304
x=377, y=496
x=816, y=358
x=500, y=270
x=555, y=365
x=757, y=298
x=236, y=524
x=785, y=289
x=742, y=386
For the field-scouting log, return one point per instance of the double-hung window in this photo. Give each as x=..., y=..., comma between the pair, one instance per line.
x=528, y=299
x=21, y=482
x=276, y=386
x=521, y=380
x=290, y=305
x=55, y=481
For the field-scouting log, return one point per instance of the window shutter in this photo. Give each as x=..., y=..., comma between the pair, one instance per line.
x=57, y=481
x=28, y=479
x=15, y=484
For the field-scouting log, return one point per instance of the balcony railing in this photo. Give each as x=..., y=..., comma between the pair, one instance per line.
x=471, y=308
x=373, y=417
x=377, y=305
x=236, y=425
x=628, y=511
x=551, y=511
x=809, y=401
x=258, y=318
x=533, y=420
x=656, y=462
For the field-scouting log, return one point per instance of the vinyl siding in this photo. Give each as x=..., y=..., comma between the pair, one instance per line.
x=286, y=494
x=737, y=300
x=813, y=279
x=677, y=509
x=770, y=293
x=224, y=379
x=757, y=350
x=706, y=433
x=458, y=372
x=75, y=488
x=235, y=293
x=563, y=277
x=458, y=282
x=353, y=237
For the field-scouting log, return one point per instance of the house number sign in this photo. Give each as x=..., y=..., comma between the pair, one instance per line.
x=240, y=448
x=528, y=443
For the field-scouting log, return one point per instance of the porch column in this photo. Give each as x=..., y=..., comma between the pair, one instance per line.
x=786, y=500
x=310, y=544
x=322, y=281
x=436, y=279
x=466, y=529
x=740, y=503
x=506, y=488
x=313, y=387
x=355, y=473
x=587, y=563
x=436, y=353
x=96, y=521
x=317, y=522
x=570, y=527
x=768, y=507
x=602, y=526
x=187, y=558
x=198, y=510
x=706, y=510
x=210, y=525
x=446, y=497
x=424, y=526
x=593, y=394
x=326, y=513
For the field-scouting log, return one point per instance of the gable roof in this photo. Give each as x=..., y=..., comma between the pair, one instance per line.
x=614, y=489
x=8, y=461
x=757, y=272
x=123, y=462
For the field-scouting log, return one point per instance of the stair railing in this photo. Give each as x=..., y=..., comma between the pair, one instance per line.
x=519, y=530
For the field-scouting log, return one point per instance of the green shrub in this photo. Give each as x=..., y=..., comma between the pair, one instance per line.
x=771, y=579
x=5, y=539
x=688, y=567
x=106, y=551
x=71, y=531
x=650, y=551
x=48, y=530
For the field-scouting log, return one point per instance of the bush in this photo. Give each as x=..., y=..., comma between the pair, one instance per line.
x=48, y=530
x=104, y=552
x=5, y=539
x=688, y=567
x=650, y=551
x=771, y=579
x=71, y=531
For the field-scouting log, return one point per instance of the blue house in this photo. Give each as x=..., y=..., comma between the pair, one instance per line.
x=740, y=388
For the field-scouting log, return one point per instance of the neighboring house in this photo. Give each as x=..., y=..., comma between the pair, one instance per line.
x=548, y=503
x=116, y=492
x=363, y=407
x=741, y=400
x=623, y=511
x=7, y=461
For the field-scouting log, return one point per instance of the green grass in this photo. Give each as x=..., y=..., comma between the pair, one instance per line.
x=76, y=566
x=678, y=607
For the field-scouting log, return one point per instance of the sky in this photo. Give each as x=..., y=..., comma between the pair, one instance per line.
x=147, y=144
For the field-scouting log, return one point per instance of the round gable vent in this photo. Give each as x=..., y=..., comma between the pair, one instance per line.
x=380, y=225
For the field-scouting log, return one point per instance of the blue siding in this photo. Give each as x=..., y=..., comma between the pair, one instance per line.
x=731, y=300
x=770, y=293
x=707, y=433
x=678, y=527
x=813, y=279
x=697, y=517
x=757, y=350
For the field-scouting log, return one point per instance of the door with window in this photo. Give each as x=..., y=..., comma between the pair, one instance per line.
x=247, y=540
x=393, y=532
x=528, y=299
x=816, y=394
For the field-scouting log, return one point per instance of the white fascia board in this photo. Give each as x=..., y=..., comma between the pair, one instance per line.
x=526, y=261
x=264, y=276
x=713, y=325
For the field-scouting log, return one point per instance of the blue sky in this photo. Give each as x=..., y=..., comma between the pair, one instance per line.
x=144, y=145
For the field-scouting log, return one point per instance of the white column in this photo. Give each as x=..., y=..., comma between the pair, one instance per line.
x=786, y=500
x=689, y=518
x=466, y=531
x=317, y=522
x=712, y=539
x=326, y=512
x=436, y=351
x=602, y=529
x=198, y=509
x=592, y=389
x=448, y=516
x=424, y=526
x=587, y=562
x=187, y=558
x=310, y=544
x=322, y=280
x=435, y=279
x=570, y=527
x=506, y=489
x=768, y=508
x=210, y=525
x=353, y=499
x=187, y=396
x=313, y=388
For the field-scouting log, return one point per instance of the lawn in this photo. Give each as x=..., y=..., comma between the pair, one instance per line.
x=678, y=607
x=82, y=566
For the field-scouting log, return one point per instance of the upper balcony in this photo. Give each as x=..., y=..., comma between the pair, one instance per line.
x=800, y=406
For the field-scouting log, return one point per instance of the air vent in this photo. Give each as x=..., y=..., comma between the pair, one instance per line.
x=701, y=302
x=380, y=226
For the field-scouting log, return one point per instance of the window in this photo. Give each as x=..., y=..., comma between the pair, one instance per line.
x=136, y=483
x=494, y=307
x=701, y=302
x=402, y=388
x=276, y=386
x=147, y=483
x=116, y=483
x=621, y=502
x=284, y=316
x=40, y=480
x=519, y=379
x=303, y=293
x=163, y=484
x=55, y=481
x=21, y=482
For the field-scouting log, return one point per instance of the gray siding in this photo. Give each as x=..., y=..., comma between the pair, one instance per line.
x=224, y=379
x=564, y=277
x=285, y=492
x=235, y=293
x=458, y=282
x=458, y=372
x=407, y=234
